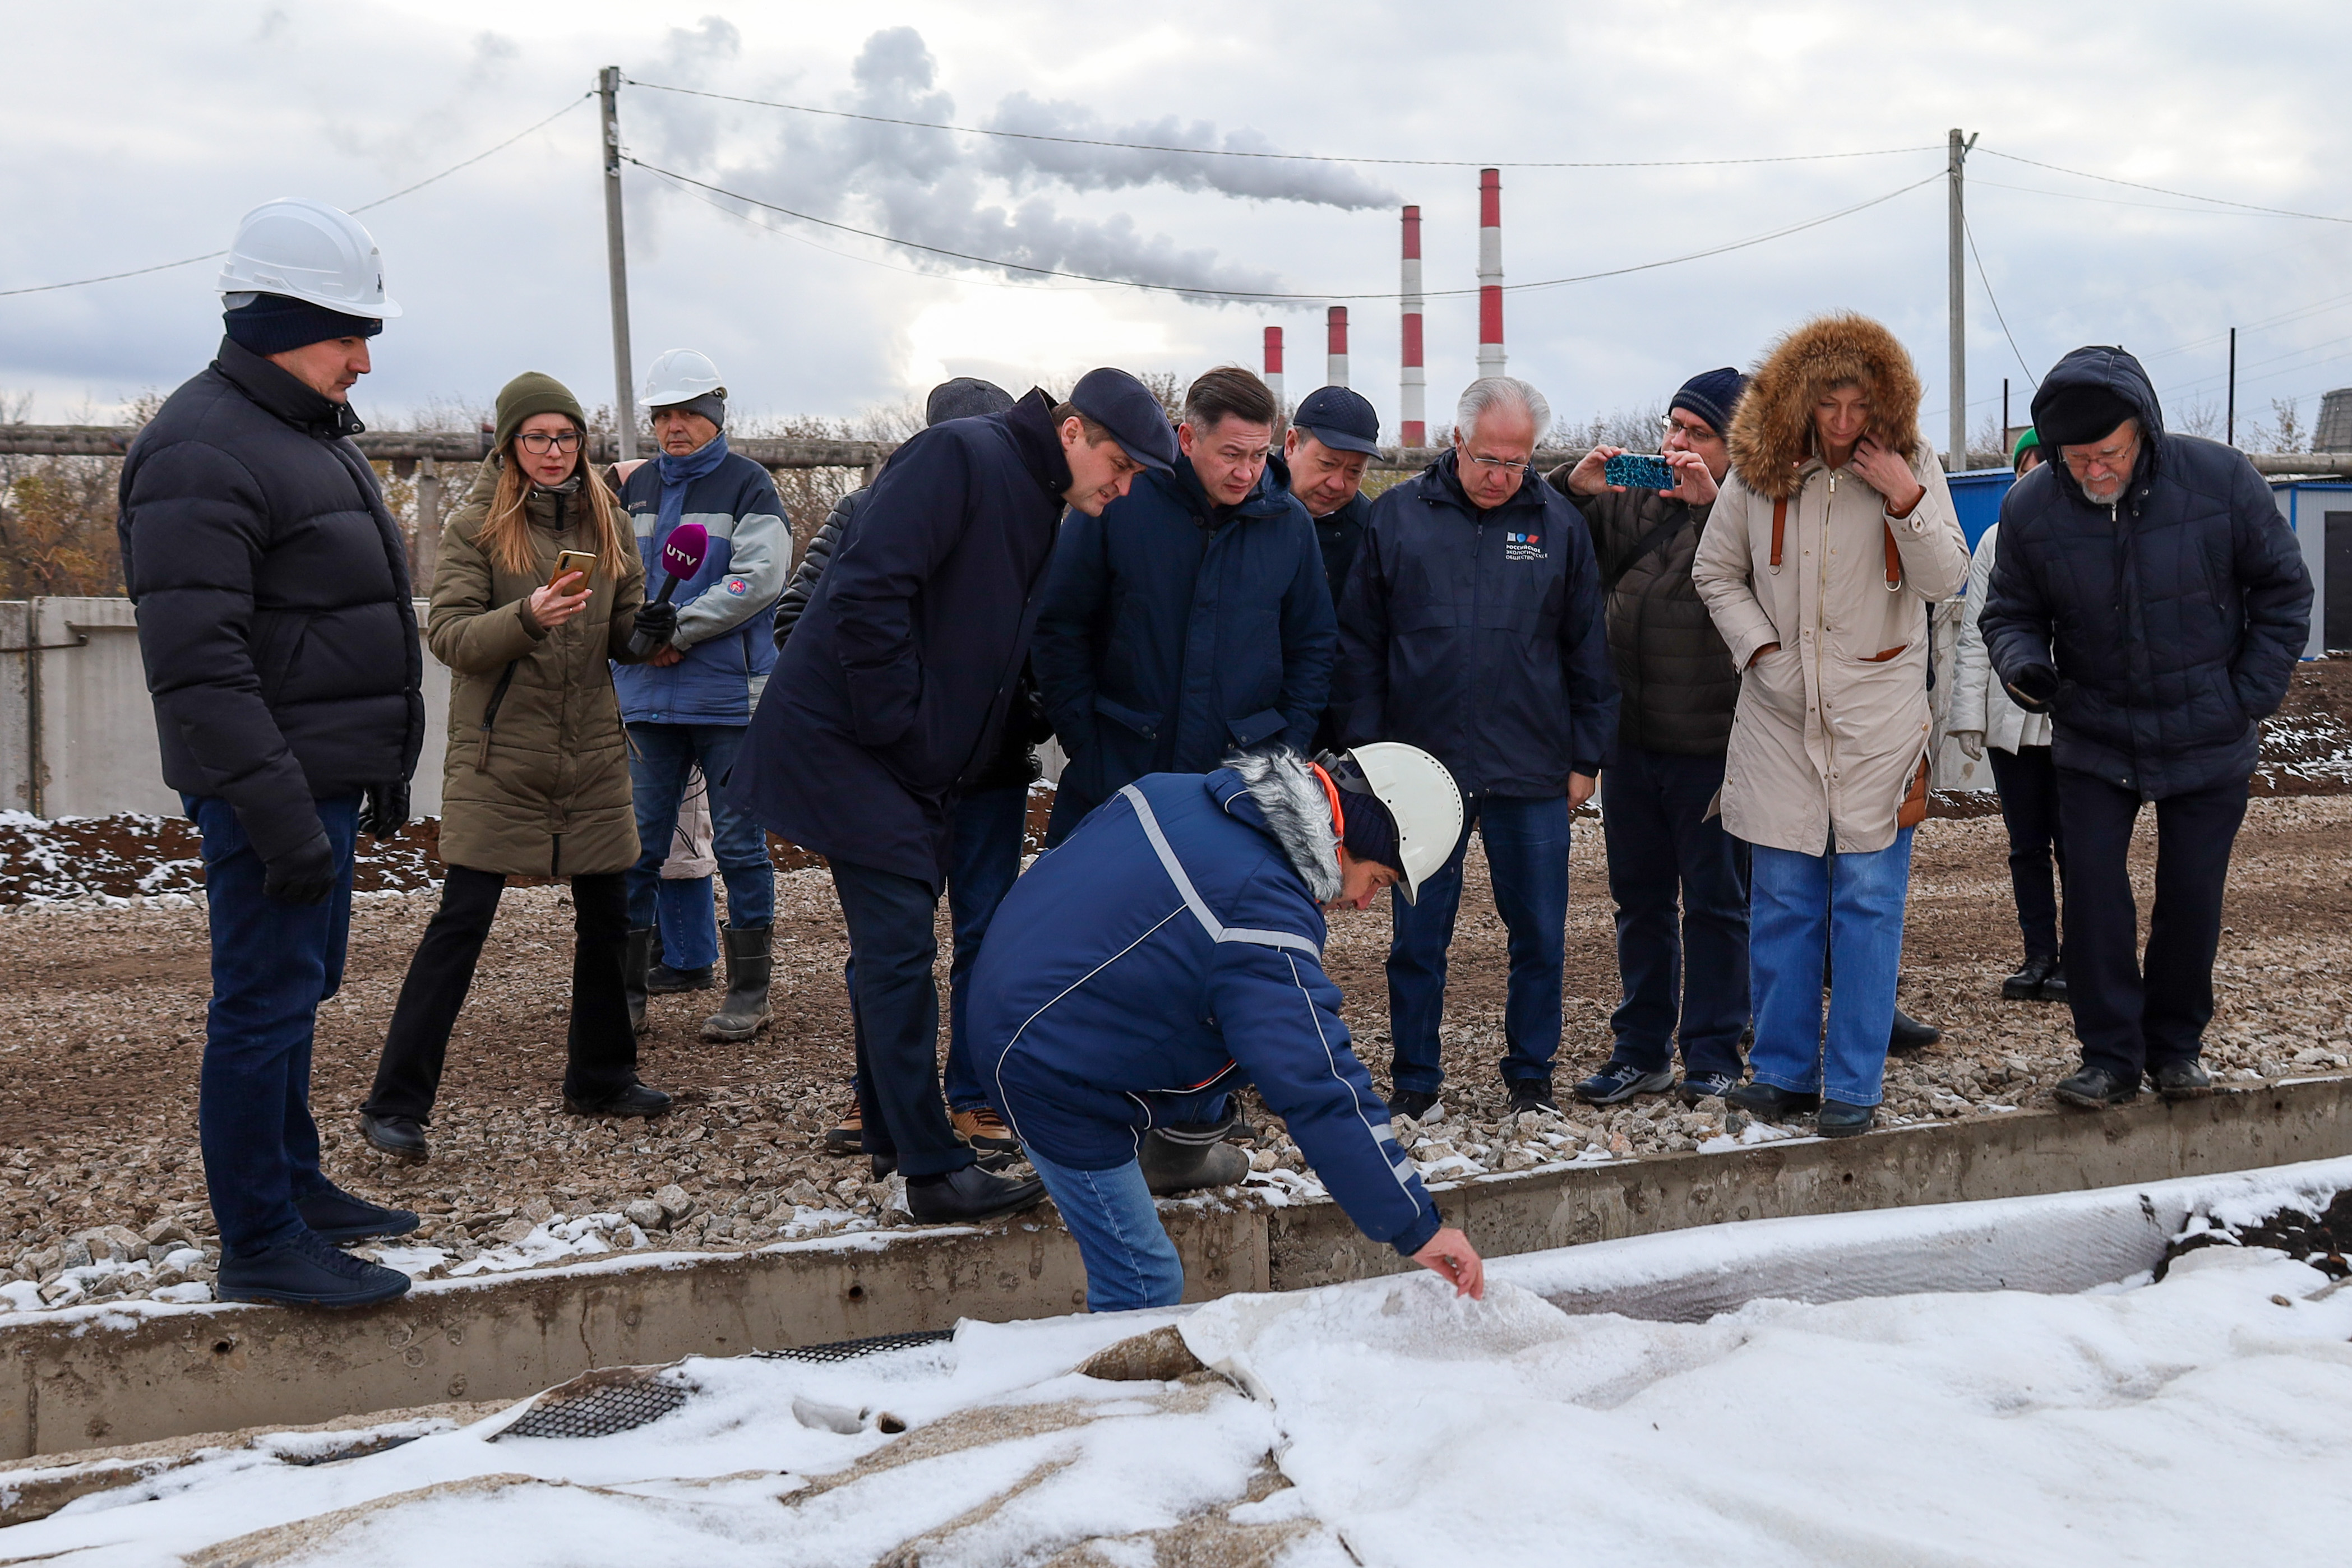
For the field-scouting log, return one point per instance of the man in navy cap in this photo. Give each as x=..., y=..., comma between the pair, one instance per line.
x=1676, y=690
x=886, y=704
x=1190, y=620
x=1332, y=438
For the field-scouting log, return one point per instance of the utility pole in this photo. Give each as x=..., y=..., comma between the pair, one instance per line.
x=2232, y=416
x=1958, y=150
x=2004, y=410
x=616, y=261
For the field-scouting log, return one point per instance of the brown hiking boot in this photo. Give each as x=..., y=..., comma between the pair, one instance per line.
x=848, y=1136
x=984, y=1130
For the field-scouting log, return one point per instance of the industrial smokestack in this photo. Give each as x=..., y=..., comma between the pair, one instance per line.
x=1335, y=349
x=1273, y=363
x=1413, y=380
x=1490, y=272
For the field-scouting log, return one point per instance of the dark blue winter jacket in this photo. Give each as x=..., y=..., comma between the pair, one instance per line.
x=2172, y=618
x=1340, y=533
x=888, y=698
x=1174, y=631
x=1170, y=952
x=1478, y=636
x=727, y=610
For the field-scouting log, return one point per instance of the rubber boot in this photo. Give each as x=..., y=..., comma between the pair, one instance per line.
x=636, y=963
x=1186, y=1156
x=749, y=961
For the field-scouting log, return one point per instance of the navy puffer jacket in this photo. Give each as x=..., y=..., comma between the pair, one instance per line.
x=2173, y=617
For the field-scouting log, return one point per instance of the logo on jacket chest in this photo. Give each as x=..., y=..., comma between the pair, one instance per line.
x=1520, y=544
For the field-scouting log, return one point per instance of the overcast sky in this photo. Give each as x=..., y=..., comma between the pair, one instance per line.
x=138, y=133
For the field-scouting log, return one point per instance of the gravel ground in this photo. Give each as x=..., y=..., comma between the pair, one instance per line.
x=102, y=1190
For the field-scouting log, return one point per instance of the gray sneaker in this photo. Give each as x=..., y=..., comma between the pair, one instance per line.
x=1620, y=1081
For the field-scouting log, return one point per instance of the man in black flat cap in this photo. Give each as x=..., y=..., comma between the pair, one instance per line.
x=2149, y=598
x=1333, y=437
x=887, y=702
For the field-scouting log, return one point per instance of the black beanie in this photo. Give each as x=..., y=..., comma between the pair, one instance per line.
x=2078, y=415
x=963, y=398
x=1371, y=832
x=711, y=405
x=274, y=323
x=1712, y=395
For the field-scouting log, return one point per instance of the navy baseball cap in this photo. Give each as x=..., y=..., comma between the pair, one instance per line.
x=1340, y=419
x=1125, y=407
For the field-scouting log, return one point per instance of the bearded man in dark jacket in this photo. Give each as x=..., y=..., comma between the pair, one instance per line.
x=2151, y=600
x=1676, y=690
x=279, y=638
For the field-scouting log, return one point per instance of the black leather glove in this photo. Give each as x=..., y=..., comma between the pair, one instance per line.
x=2035, y=688
x=304, y=875
x=657, y=624
x=384, y=812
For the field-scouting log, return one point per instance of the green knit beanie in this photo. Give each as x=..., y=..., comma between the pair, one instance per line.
x=534, y=392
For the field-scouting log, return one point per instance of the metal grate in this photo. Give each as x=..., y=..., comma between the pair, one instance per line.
x=599, y=1403
x=851, y=1349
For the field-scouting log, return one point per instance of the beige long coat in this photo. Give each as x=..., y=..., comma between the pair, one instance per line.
x=542, y=790
x=1830, y=728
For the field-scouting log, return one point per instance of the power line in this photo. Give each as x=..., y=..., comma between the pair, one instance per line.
x=1969, y=229
x=1283, y=157
x=2167, y=191
x=2111, y=200
x=380, y=201
x=1269, y=295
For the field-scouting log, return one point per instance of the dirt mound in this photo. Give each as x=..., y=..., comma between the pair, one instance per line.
x=2320, y=1239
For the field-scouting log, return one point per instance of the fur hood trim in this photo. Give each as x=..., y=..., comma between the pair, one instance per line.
x=1772, y=430
x=1297, y=813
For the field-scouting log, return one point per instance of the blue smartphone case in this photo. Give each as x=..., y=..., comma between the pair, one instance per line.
x=1639, y=471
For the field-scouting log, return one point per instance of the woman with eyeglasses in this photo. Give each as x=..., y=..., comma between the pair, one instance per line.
x=538, y=590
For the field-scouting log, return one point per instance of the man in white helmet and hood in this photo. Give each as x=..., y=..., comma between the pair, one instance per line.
x=279, y=638
x=1170, y=951
x=691, y=702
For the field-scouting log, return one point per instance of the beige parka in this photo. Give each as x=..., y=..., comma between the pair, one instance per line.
x=1831, y=727
x=540, y=788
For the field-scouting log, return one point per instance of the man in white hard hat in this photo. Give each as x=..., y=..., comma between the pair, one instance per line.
x=1170, y=952
x=279, y=637
x=691, y=704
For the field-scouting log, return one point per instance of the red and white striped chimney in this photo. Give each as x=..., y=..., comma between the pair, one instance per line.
x=1273, y=363
x=1490, y=272
x=1335, y=348
x=1413, y=380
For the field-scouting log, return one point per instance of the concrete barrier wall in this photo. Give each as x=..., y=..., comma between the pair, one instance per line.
x=135, y=1372
x=78, y=731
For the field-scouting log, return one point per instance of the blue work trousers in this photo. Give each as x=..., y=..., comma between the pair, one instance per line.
x=1130, y=1260
x=273, y=964
x=1846, y=908
x=1680, y=884
x=660, y=756
x=1526, y=858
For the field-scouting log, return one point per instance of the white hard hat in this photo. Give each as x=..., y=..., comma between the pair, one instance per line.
x=309, y=251
x=681, y=375
x=1422, y=796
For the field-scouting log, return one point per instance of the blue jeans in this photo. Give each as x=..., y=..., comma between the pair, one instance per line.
x=660, y=756
x=1849, y=906
x=1527, y=856
x=1130, y=1260
x=687, y=908
x=1687, y=963
x=273, y=964
x=983, y=857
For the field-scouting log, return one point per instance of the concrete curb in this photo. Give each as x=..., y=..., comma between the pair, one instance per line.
x=129, y=1372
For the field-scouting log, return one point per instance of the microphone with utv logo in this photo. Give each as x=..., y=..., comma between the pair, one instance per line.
x=681, y=557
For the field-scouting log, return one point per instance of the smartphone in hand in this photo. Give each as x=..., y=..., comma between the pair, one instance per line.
x=1639, y=471
x=571, y=560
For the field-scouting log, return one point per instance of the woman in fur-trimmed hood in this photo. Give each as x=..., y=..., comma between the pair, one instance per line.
x=1834, y=534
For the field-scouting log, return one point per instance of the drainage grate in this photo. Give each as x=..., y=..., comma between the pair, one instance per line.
x=599, y=1403
x=851, y=1349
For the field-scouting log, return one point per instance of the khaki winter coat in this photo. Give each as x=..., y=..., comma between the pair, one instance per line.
x=1831, y=727
x=541, y=789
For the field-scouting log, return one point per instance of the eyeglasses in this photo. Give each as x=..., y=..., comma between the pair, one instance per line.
x=1692, y=430
x=1503, y=465
x=539, y=442
x=2114, y=459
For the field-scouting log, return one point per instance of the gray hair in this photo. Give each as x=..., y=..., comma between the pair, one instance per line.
x=1503, y=392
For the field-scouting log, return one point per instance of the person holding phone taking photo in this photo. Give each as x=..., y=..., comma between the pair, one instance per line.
x=538, y=590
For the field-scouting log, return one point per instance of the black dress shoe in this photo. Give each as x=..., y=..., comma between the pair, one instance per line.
x=337, y=1215
x=969, y=1194
x=1771, y=1103
x=2095, y=1089
x=1838, y=1120
x=1412, y=1102
x=308, y=1272
x=2053, y=983
x=1909, y=1034
x=402, y=1137
x=2025, y=986
x=2181, y=1080
x=636, y=1100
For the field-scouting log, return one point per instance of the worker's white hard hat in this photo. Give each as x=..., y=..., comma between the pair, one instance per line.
x=681, y=375
x=1422, y=796
x=309, y=251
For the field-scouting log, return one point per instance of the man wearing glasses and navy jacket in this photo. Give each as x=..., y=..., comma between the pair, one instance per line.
x=1471, y=628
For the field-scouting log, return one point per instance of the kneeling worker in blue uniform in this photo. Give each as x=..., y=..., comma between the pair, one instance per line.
x=1170, y=952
